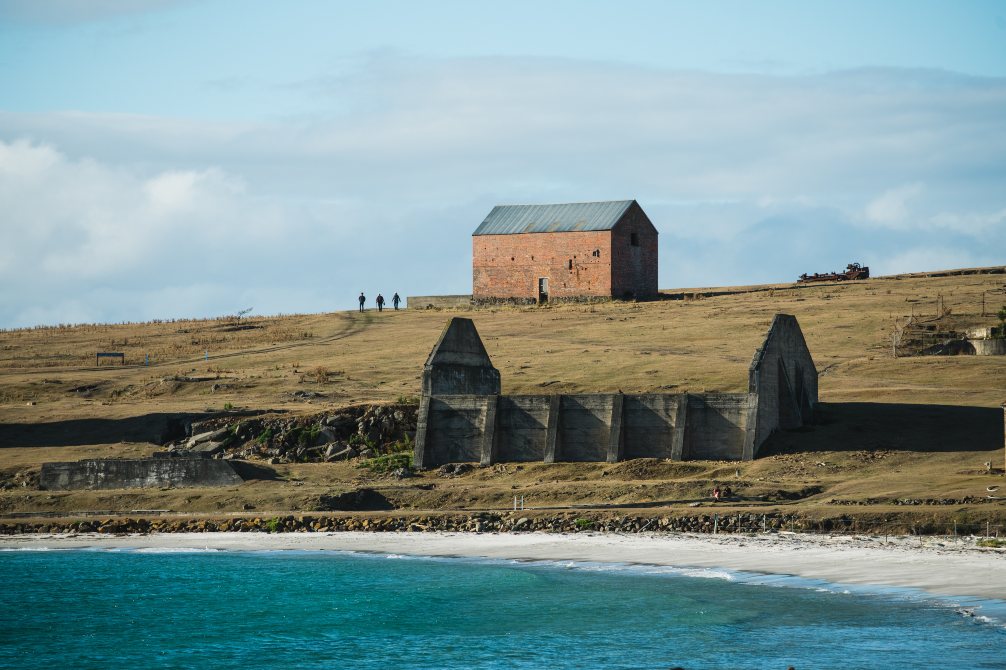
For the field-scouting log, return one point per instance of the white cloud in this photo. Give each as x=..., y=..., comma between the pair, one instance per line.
x=891, y=207
x=748, y=178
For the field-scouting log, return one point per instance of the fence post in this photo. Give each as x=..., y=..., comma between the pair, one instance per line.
x=716, y=523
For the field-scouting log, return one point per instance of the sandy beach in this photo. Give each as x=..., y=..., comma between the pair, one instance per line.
x=938, y=566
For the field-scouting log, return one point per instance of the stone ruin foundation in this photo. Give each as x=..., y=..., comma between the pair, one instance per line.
x=464, y=418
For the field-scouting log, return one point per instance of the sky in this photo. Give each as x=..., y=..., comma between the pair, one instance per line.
x=169, y=159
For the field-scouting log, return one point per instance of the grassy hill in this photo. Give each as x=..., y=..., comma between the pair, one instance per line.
x=933, y=419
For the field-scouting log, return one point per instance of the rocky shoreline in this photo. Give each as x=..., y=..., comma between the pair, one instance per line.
x=495, y=522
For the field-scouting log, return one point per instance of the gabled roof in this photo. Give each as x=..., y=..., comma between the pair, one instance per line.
x=576, y=216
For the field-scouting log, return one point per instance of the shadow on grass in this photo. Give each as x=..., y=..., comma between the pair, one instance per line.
x=859, y=426
x=156, y=428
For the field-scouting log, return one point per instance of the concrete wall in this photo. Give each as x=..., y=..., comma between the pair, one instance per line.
x=783, y=376
x=989, y=347
x=452, y=430
x=720, y=426
x=438, y=302
x=459, y=363
x=463, y=417
x=125, y=474
x=583, y=428
x=522, y=428
x=654, y=426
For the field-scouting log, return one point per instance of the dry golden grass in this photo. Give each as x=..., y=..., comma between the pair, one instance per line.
x=699, y=345
x=668, y=346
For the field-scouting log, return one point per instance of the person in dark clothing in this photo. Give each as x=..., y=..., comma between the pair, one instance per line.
x=395, y=300
x=380, y=302
x=363, y=299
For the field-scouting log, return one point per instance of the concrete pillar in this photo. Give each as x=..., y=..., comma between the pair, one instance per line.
x=615, y=445
x=678, y=436
x=750, y=448
x=489, y=430
x=552, y=445
x=419, y=456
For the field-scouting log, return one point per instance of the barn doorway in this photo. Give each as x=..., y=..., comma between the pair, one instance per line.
x=542, y=290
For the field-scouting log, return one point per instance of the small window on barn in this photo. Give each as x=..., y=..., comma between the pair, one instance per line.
x=597, y=253
x=570, y=263
x=634, y=239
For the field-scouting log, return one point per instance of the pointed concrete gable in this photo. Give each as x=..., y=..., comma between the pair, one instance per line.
x=459, y=363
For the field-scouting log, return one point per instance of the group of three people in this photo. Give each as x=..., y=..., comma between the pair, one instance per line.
x=380, y=301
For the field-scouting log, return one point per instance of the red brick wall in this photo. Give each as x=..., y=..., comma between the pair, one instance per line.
x=508, y=266
x=635, y=265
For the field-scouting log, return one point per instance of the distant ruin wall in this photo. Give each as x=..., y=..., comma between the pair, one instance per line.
x=603, y=427
x=127, y=474
x=720, y=427
x=784, y=378
x=463, y=417
x=438, y=301
x=459, y=363
x=995, y=347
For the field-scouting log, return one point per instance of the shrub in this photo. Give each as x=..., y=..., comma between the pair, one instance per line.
x=388, y=462
x=992, y=543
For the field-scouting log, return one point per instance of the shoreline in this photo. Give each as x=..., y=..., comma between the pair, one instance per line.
x=939, y=567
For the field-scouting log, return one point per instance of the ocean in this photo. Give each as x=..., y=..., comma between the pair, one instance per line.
x=145, y=608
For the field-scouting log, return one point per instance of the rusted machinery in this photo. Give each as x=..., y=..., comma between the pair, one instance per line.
x=852, y=271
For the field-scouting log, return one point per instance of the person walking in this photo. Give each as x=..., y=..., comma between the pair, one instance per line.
x=395, y=300
x=363, y=299
x=380, y=302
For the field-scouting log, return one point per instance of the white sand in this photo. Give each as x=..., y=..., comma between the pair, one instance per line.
x=933, y=565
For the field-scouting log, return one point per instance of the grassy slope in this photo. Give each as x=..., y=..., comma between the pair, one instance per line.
x=902, y=408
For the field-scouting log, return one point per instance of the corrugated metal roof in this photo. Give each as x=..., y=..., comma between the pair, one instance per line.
x=576, y=216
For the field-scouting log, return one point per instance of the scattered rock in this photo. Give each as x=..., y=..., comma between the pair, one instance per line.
x=450, y=470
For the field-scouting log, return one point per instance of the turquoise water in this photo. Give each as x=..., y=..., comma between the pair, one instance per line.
x=157, y=609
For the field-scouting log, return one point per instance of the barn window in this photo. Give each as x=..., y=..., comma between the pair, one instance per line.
x=571, y=264
x=634, y=239
x=597, y=253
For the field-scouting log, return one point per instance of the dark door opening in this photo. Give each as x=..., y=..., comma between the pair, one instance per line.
x=542, y=290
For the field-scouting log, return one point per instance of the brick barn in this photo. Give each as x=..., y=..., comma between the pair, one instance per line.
x=533, y=253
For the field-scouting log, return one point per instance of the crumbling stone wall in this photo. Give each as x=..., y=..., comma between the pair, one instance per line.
x=143, y=473
x=463, y=417
x=784, y=378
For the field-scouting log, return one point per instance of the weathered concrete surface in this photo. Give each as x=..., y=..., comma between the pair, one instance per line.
x=146, y=473
x=459, y=363
x=459, y=423
x=989, y=347
x=654, y=426
x=522, y=427
x=454, y=426
x=783, y=376
x=717, y=426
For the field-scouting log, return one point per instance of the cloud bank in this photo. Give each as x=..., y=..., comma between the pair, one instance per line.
x=749, y=178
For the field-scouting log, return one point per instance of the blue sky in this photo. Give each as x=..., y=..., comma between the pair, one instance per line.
x=162, y=159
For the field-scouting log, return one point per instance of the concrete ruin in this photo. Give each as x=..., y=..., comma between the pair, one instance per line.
x=464, y=418
x=139, y=473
